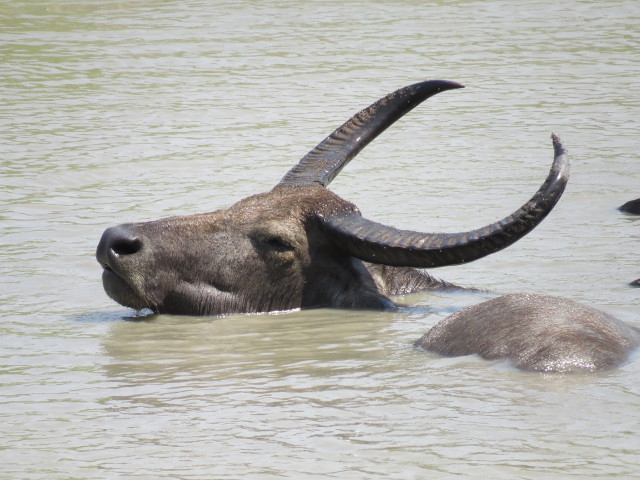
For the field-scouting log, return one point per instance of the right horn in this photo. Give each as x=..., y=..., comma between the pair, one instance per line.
x=377, y=243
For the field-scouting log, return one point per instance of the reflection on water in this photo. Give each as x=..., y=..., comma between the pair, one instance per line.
x=129, y=111
x=335, y=390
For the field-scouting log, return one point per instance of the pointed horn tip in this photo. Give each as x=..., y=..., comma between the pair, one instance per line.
x=456, y=85
x=446, y=84
x=558, y=145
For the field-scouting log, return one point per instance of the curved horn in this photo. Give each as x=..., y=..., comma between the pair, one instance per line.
x=377, y=243
x=324, y=162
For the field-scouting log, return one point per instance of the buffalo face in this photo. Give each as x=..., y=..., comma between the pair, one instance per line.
x=256, y=256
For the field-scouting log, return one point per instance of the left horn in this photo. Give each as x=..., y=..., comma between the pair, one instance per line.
x=326, y=160
x=377, y=243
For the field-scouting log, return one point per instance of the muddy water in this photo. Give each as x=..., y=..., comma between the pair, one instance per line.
x=128, y=111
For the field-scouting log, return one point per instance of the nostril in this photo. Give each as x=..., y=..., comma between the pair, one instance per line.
x=117, y=241
x=126, y=246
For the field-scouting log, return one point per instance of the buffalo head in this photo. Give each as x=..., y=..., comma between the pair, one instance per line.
x=300, y=245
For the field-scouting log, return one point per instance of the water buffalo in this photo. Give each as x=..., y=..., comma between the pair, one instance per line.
x=300, y=245
x=535, y=332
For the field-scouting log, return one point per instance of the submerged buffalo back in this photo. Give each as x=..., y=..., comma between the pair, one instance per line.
x=535, y=332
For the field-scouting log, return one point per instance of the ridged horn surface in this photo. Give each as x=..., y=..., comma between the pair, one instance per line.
x=377, y=243
x=326, y=160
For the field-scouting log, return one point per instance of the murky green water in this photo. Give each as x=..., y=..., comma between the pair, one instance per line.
x=134, y=110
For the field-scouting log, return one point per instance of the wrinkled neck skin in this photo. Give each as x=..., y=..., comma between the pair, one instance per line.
x=256, y=256
x=392, y=281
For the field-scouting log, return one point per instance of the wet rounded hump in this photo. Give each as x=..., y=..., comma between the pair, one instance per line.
x=535, y=332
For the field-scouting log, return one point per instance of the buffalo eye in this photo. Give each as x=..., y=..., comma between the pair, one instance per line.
x=270, y=241
x=278, y=244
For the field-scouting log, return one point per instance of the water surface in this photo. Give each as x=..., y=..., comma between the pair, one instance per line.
x=134, y=110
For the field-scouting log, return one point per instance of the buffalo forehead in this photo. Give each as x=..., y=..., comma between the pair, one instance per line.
x=297, y=202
